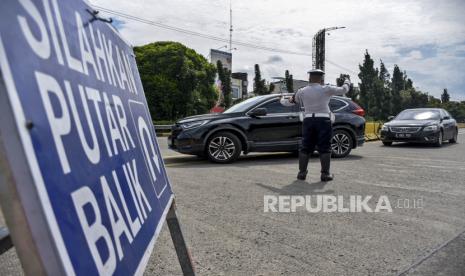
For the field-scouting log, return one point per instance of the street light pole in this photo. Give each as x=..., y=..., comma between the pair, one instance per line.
x=318, y=48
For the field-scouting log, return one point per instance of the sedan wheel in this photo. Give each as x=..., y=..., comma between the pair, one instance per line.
x=223, y=147
x=440, y=139
x=341, y=144
x=454, y=139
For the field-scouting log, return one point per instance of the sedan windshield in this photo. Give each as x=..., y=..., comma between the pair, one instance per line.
x=244, y=106
x=418, y=115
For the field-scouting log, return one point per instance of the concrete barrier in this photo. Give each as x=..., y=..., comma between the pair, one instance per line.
x=372, y=130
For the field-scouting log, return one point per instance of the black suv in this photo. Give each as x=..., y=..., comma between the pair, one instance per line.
x=262, y=124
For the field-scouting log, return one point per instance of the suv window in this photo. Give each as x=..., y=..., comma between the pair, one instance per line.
x=276, y=107
x=335, y=104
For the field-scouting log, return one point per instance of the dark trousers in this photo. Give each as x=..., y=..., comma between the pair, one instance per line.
x=316, y=131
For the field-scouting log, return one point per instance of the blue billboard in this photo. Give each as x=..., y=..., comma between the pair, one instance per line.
x=88, y=137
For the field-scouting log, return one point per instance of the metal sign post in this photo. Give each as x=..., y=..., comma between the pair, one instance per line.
x=83, y=186
x=182, y=252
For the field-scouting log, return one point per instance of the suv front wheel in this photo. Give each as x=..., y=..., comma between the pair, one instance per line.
x=223, y=147
x=341, y=143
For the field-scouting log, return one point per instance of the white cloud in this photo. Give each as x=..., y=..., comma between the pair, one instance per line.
x=416, y=54
x=382, y=27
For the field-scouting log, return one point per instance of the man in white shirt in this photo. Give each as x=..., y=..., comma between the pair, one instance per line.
x=316, y=126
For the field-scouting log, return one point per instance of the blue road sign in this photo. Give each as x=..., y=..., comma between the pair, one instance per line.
x=80, y=112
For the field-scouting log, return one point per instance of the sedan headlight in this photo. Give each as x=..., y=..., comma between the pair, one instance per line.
x=431, y=128
x=194, y=124
x=384, y=128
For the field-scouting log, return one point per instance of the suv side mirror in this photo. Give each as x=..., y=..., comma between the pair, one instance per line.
x=446, y=118
x=391, y=117
x=258, y=112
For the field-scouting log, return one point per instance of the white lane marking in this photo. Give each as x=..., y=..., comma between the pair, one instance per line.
x=418, y=189
x=451, y=168
x=413, y=159
x=403, y=166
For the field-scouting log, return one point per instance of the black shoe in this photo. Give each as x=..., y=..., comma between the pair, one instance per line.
x=325, y=159
x=302, y=175
x=325, y=177
x=303, y=164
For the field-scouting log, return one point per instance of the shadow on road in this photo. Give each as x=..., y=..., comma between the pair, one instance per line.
x=243, y=161
x=349, y=158
x=247, y=161
x=299, y=187
x=418, y=145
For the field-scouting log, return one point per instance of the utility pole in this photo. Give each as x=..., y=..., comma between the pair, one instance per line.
x=318, y=48
x=230, y=26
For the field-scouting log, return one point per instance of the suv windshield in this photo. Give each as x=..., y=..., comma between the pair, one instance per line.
x=244, y=106
x=418, y=115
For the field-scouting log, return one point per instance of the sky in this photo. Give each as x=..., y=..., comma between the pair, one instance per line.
x=425, y=38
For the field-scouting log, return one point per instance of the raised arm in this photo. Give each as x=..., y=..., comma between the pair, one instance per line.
x=290, y=101
x=287, y=101
x=338, y=91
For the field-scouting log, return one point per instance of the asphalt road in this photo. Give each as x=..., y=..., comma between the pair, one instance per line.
x=221, y=211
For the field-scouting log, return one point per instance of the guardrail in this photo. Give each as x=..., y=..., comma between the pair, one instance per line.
x=163, y=127
x=163, y=130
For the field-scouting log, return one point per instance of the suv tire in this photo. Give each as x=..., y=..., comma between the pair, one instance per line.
x=341, y=143
x=223, y=147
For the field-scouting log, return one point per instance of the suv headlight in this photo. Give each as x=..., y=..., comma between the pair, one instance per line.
x=431, y=128
x=384, y=128
x=194, y=124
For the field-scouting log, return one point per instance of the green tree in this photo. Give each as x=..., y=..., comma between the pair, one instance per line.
x=411, y=98
x=221, y=70
x=289, y=80
x=227, y=89
x=368, y=76
x=378, y=100
x=456, y=109
x=445, y=97
x=259, y=87
x=433, y=102
x=397, y=85
x=177, y=81
x=271, y=88
x=384, y=76
x=224, y=75
x=408, y=83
